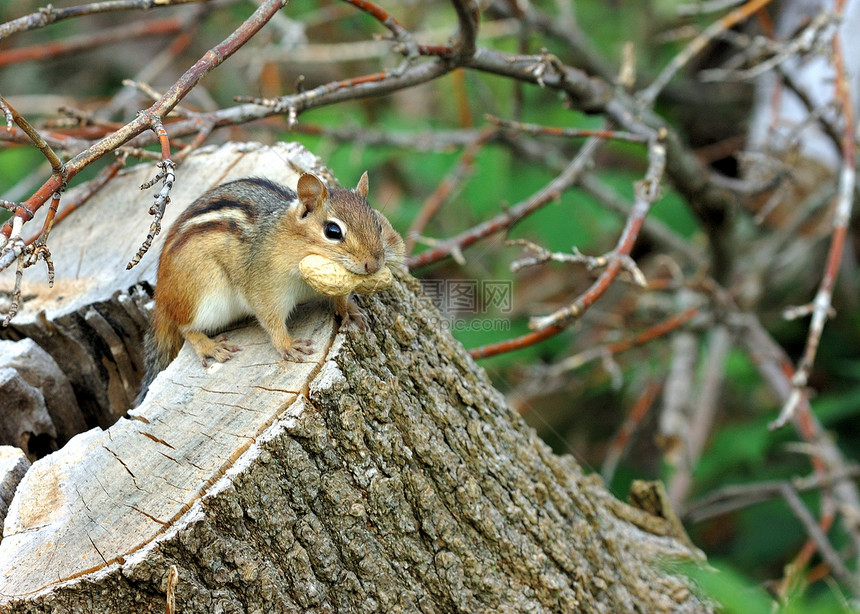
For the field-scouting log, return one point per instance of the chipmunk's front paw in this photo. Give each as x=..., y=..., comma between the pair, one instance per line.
x=299, y=350
x=351, y=315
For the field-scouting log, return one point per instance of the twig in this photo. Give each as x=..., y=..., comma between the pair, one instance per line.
x=646, y=194
x=573, y=38
x=161, y=108
x=542, y=256
x=536, y=129
x=622, y=438
x=437, y=140
x=14, y=248
x=87, y=191
x=777, y=370
x=821, y=305
x=678, y=393
x=463, y=41
x=373, y=84
x=506, y=220
x=50, y=14
x=818, y=536
x=653, y=228
x=44, y=148
x=649, y=94
x=818, y=33
x=405, y=39
x=661, y=329
x=91, y=40
x=706, y=6
x=739, y=496
x=167, y=177
x=704, y=408
x=446, y=187
x=517, y=343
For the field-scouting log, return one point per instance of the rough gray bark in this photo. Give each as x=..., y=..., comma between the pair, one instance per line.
x=13, y=466
x=386, y=476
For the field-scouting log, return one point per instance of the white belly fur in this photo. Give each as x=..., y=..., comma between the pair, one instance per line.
x=218, y=309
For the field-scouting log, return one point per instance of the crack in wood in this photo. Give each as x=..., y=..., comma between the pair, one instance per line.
x=150, y=516
x=156, y=439
x=89, y=537
x=121, y=462
x=295, y=392
x=167, y=456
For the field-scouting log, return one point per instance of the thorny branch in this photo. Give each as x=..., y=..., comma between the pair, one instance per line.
x=821, y=305
x=158, y=110
x=167, y=177
x=647, y=192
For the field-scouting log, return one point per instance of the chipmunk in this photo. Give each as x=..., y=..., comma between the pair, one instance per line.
x=235, y=252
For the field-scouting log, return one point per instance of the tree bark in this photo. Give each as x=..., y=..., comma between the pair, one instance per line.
x=385, y=475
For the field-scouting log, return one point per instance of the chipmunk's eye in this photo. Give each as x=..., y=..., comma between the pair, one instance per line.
x=333, y=231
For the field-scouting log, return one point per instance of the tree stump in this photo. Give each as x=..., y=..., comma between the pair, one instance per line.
x=386, y=474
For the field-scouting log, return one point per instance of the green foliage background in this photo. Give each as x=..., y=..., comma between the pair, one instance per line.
x=747, y=547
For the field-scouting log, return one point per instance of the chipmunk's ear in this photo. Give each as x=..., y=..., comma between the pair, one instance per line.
x=312, y=194
x=361, y=188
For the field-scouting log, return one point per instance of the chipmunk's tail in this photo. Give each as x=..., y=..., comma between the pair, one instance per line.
x=160, y=346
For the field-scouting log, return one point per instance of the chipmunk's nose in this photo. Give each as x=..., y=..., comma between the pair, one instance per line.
x=372, y=266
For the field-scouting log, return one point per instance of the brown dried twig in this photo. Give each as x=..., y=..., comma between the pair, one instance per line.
x=446, y=187
x=404, y=38
x=16, y=249
x=649, y=94
x=51, y=14
x=536, y=129
x=646, y=194
x=506, y=220
x=740, y=496
x=167, y=176
x=821, y=306
x=142, y=122
x=622, y=438
x=85, y=192
x=93, y=40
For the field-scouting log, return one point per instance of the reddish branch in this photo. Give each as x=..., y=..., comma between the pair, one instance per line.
x=647, y=193
x=778, y=372
x=401, y=34
x=517, y=343
x=40, y=143
x=797, y=406
x=536, y=129
x=50, y=14
x=143, y=121
x=820, y=308
x=154, y=27
x=446, y=187
x=86, y=191
x=167, y=176
x=622, y=438
x=506, y=220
